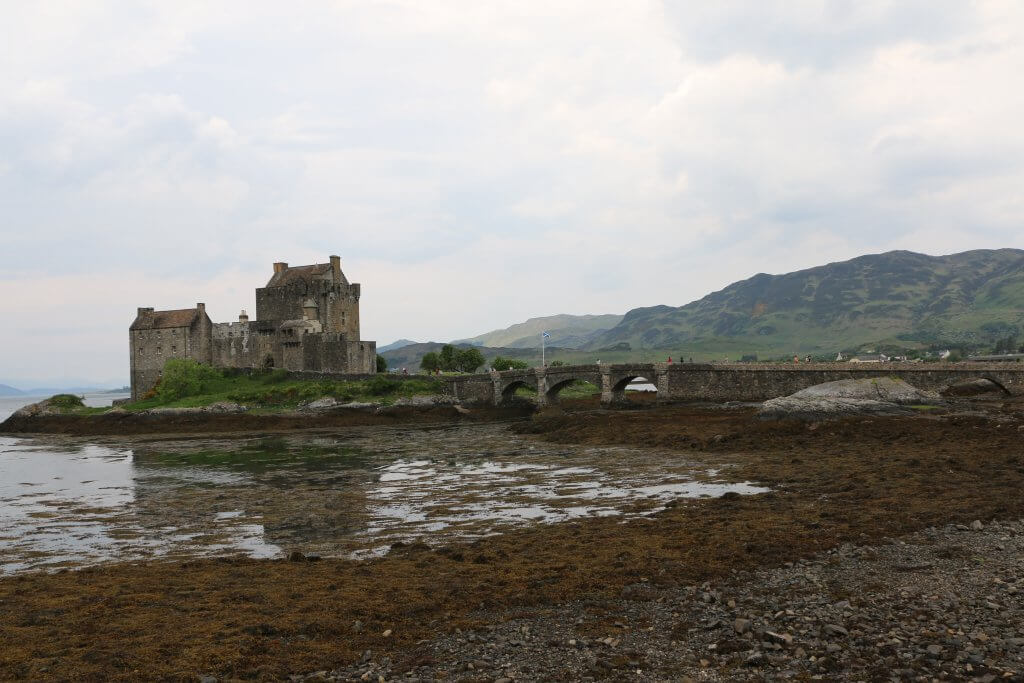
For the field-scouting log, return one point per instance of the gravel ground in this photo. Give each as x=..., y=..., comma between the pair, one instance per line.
x=941, y=604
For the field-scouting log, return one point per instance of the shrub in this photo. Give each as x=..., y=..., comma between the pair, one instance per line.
x=382, y=386
x=382, y=363
x=66, y=401
x=501, y=364
x=184, y=377
x=275, y=376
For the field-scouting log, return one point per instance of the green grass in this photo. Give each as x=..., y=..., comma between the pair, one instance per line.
x=275, y=391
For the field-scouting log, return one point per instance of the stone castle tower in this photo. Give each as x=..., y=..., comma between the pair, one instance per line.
x=307, y=319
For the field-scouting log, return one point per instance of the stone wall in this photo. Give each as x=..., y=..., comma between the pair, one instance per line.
x=731, y=382
x=759, y=382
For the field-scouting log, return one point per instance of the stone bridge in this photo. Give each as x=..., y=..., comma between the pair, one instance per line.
x=725, y=382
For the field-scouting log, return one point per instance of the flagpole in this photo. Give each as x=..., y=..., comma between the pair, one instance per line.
x=542, y=364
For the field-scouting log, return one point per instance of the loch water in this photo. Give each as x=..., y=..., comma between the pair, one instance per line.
x=68, y=502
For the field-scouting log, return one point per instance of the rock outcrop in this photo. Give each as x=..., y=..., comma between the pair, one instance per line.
x=832, y=400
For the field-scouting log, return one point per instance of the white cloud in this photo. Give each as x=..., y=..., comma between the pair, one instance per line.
x=479, y=163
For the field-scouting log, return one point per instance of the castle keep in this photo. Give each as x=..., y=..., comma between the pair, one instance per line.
x=307, y=318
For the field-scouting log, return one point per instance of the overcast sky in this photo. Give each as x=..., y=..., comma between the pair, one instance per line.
x=478, y=163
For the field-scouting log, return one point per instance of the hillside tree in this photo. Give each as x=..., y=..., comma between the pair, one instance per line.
x=469, y=360
x=430, y=362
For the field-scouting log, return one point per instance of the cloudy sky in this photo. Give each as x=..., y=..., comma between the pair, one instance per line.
x=477, y=163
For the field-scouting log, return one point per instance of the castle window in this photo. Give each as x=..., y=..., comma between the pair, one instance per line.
x=159, y=351
x=174, y=349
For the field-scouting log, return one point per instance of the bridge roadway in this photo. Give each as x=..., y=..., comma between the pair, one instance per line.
x=721, y=382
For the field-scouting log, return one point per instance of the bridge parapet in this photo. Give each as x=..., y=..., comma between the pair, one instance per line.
x=722, y=382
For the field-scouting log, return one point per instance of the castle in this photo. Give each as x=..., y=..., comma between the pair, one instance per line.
x=307, y=318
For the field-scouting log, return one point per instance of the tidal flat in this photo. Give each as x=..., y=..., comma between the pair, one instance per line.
x=408, y=612
x=72, y=502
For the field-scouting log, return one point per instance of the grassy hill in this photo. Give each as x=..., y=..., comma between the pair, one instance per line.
x=899, y=299
x=570, y=331
x=409, y=357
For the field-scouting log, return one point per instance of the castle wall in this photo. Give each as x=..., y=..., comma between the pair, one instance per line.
x=150, y=349
x=333, y=353
x=337, y=304
x=245, y=345
x=342, y=310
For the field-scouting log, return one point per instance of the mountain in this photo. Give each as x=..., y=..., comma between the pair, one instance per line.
x=6, y=390
x=569, y=331
x=896, y=299
x=395, y=345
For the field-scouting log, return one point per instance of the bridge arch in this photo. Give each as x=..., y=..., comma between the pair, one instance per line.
x=952, y=389
x=556, y=386
x=998, y=384
x=621, y=382
x=508, y=390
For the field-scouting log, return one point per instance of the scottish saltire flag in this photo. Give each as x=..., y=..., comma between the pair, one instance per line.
x=546, y=335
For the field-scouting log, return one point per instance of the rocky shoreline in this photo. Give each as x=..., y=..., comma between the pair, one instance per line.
x=942, y=604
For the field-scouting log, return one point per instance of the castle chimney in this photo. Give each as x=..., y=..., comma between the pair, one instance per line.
x=144, y=310
x=243, y=317
x=201, y=308
x=280, y=267
x=336, y=268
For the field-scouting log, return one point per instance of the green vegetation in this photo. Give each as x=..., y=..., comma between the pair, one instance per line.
x=183, y=377
x=382, y=363
x=451, y=359
x=501, y=364
x=66, y=402
x=71, y=404
x=194, y=385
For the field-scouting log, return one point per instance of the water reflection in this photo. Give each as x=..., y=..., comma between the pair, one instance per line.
x=68, y=502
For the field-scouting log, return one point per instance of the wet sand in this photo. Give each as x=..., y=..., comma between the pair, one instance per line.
x=858, y=481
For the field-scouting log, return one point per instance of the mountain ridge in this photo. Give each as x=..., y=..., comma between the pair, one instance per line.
x=564, y=330
x=897, y=297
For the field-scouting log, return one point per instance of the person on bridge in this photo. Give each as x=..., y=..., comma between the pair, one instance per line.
x=670, y=360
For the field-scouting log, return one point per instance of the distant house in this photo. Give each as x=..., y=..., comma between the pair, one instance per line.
x=945, y=354
x=873, y=358
x=840, y=357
